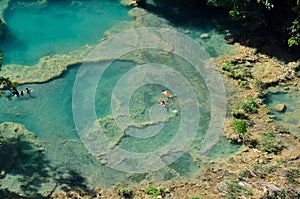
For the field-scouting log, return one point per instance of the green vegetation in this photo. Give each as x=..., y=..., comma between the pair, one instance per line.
x=125, y=192
x=239, y=126
x=269, y=143
x=154, y=192
x=292, y=175
x=195, y=197
x=234, y=190
x=249, y=105
x=260, y=15
x=6, y=84
x=236, y=71
x=245, y=84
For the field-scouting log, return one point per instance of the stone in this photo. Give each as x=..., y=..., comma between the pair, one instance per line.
x=280, y=107
x=2, y=174
x=205, y=36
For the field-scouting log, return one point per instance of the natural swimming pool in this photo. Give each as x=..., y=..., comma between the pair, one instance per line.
x=48, y=112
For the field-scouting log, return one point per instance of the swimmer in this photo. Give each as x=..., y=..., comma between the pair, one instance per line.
x=163, y=104
x=28, y=91
x=168, y=95
x=22, y=93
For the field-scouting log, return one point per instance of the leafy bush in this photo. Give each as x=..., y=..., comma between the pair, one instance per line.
x=269, y=143
x=154, y=192
x=239, y=126
x=249, y=105
x=227, y=66
x=239, y=114
x=245, y=84
x=125, y=192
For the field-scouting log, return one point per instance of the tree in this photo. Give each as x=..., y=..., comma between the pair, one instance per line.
x=7, y=87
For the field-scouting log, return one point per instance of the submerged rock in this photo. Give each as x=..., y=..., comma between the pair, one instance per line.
x=280, y=107
x=205, y=36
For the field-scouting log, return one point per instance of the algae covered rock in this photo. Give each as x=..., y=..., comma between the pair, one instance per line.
x=13, y=136
x=280, y=107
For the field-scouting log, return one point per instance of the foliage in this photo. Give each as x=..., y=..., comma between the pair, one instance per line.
x=195, y=197
x=269, y=143
x=249, y=105
x=258, y=14
x=234, y=190
x=239, y=114
x=239, y=126
x=245, y=84
x=292, y=175
x=6, y=84
x=154, y=192
x=236, y=71
x=294, y=32
x=125, y=192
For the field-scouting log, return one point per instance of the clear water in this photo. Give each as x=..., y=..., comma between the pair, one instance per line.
x=290, y=117
x=60, y=28
x=34, y=32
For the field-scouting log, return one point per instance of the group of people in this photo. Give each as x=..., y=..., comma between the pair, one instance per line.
x=21, y=93
x=168, y=95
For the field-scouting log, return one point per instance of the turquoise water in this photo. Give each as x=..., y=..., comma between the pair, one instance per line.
x=60, y=27
x=290, y=117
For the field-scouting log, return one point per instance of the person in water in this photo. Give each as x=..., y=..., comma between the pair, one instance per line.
x=163, y=104
x=28, y=91
x=22, y=93
x=167, y=94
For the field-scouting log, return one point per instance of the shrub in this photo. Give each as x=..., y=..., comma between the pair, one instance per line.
x=227, y=66
x=239, y=126
x=154, y=192
x=249, y=105
x=125, y=192
x=269, y=143
x=239, y=114
x=245, y=84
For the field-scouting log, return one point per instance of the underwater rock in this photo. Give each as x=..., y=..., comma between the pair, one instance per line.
x=2, y=174
x=280, y=107
x=14, y=135
x=205, y=36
